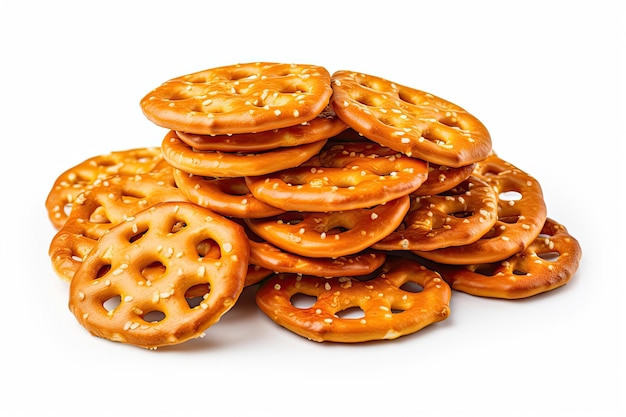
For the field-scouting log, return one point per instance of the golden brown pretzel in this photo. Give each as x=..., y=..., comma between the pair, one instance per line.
x=271, y=257
x=324, y=126
x=402, y=299
x=411, y=121
x=547, y=263
x=442, y=178
x=241, y=98
x=234, y=164
x=226, y=196
x=457, y=217
x=113, y=296
x=521, y=215
x=84, y=175
x=350, y=175
x=330, y=234
x=107, y=203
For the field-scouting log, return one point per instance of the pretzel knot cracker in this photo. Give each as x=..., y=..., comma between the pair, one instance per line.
x=401, y=299
x=107, y=203
x=330, y=234
x=457, y=217
x=134, y=286
x=234, y=164
x=521, y=214
x=83, y=176
x=324, y=126
x=411, y=121
x=350, y=175
x=547, y=263
x=228, y=196
x=241, y=98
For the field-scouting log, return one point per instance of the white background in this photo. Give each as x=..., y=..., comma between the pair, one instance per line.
x=545, y=77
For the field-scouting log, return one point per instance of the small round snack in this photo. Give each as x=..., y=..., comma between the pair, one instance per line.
x=271, y=257
x=84, y=175
x=547, y=263
x=442, y=178
x=410, y=121
x=324, y=126
x=347, y=176
x=240, y=98
x=234, y=164
x=330, y=234
x=133, y=287
x=227, y=196
x=403, y=298
x=521, y=214
x=457, y=217
x=107, y=203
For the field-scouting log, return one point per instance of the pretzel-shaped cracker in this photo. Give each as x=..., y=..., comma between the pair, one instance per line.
x=457, y=217
x=547, y=263
x=351, y=175
x=226, y=196
x=402, y=299
x=234, y=164
x=106, y=204
x=324, y=126
x=330, y=234
x=84, y=175
x=113, y=297
x=242, y=98
x=442, y=178
x=271, y=257
x=521, y=215
x=411, y=121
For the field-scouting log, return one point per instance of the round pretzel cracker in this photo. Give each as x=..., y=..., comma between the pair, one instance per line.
x=240, y=98
x=330, y=234
x=234, y=164
x=459, y=216
x=106, y=204
x=547, y=263
x=84, y=175
x=270, y=257
x=402, y=299
x=113, y=296
x=408, y=120
x=521, y=214
x=442, y=178
x=350, y=175
x=324, y=126
x=227, y=196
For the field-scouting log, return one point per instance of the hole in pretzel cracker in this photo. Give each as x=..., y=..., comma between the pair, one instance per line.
x=412, y=287
x=351, y=313
x=196, y=294
x=552, y=256
x=209, y=249
x=302, y=301
x=153, y=271
x=510, y=196
x=112, y=303
x=154, y=316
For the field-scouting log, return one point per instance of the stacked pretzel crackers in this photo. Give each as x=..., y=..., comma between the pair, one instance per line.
x=354, y=205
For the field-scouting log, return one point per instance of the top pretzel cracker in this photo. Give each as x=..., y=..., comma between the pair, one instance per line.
x=241, y=98
x=410, y=121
